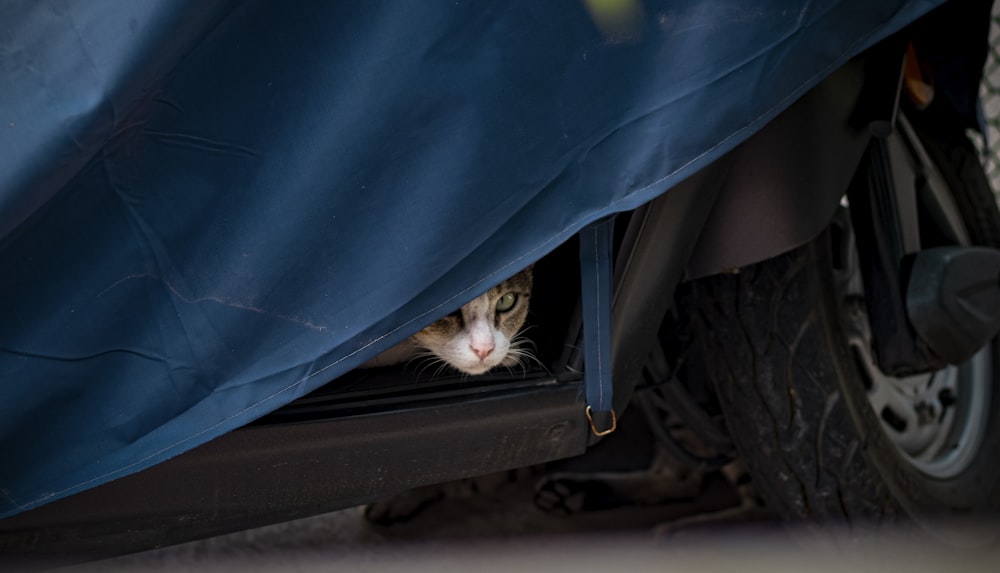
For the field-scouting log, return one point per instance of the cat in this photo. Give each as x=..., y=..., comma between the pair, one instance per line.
x=483, y=334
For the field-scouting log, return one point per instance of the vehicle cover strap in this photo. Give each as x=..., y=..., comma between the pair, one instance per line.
x=595, y=274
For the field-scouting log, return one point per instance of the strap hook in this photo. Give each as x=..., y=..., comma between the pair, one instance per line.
x=601, y=433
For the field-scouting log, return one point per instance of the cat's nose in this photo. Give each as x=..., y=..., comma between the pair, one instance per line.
x=482, y=350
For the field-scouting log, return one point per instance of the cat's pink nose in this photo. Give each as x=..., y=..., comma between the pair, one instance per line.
x=482, y=350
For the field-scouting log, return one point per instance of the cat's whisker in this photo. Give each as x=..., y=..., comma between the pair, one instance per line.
x=522, y=350
x=424, y=365
x=525, y=330
x=419, y=357
x=427, y=360
x=520, y=337
x=526, y=360
x=442, y=367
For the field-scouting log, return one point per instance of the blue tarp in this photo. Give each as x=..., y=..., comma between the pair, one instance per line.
x=210, y=207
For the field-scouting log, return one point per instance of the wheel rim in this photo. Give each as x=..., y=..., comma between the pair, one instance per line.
x=936, y=420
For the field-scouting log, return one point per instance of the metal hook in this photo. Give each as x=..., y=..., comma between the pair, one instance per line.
x=600, y=433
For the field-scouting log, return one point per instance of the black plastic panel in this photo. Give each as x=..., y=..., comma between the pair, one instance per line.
x=786, y=181
x=274, y=472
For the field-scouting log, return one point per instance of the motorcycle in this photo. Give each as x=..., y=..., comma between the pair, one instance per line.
x=212, y=215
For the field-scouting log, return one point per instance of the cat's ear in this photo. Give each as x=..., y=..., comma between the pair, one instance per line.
x=529, y=267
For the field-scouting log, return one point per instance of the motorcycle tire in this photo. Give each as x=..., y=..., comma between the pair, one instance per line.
x=799, y=390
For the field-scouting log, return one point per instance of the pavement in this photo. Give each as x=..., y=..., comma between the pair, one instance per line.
x=503, y=530
x=497, y=542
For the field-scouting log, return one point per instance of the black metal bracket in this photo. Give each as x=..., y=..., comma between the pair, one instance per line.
x=884, y=267
x=884, y=216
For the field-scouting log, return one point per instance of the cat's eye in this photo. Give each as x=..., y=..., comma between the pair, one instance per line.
x=506, y=302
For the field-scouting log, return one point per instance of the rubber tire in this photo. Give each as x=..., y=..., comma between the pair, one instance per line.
x=773, y=348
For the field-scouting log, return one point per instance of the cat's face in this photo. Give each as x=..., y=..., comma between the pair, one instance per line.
x=479, y=336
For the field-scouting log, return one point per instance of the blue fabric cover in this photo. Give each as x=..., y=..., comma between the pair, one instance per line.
x=209, y=208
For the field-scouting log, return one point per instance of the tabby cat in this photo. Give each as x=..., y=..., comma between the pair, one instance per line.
x=483, y=334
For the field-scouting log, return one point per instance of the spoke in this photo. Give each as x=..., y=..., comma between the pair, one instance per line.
x=942, y=389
